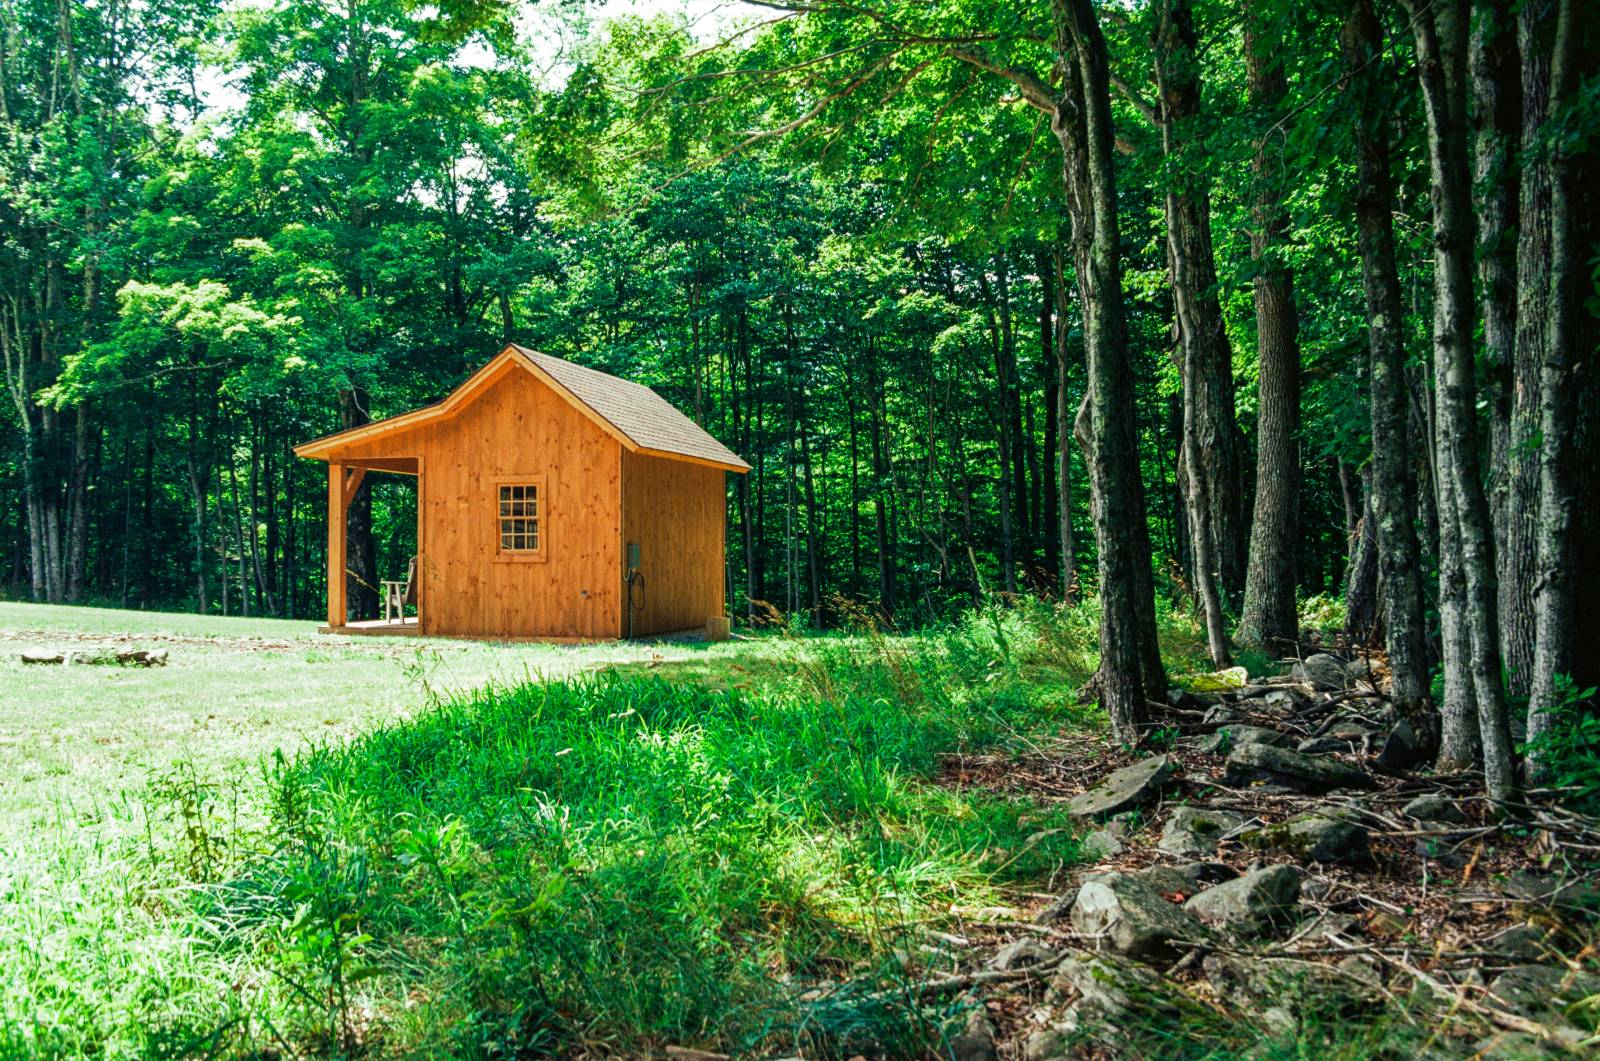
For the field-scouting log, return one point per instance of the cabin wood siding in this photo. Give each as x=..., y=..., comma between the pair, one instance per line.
x=676, y=511
x=517, y=428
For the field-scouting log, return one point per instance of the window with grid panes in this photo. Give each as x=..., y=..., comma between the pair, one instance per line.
x=519, y=517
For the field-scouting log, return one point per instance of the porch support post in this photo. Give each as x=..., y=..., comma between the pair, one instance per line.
x=337, y=500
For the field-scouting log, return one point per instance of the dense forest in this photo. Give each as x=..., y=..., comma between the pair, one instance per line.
x=1227, y=305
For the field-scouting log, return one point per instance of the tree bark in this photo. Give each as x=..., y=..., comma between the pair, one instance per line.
x=1394, y=487
x=1518, y=477
x=1497, y=107
x=1269, y=618
x=1561, y=475
x=1441, y=30
x=1363, y=619
x=1063, y=456
x=1207, y=355
x=1130, y=665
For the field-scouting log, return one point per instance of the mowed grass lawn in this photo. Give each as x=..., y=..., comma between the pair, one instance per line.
x=283, y=844
x=76, y=740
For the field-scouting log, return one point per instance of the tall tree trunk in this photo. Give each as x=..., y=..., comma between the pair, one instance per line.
x=1130, y=666
x=877, y=415
x=1207, y=355
x=1497, y=113
x=1363, y=620
x=78, y=504
x=1567, y=361
x=813, y=521
x=1049, y=360
x=1200, y=488
x=1394, y=487
x=1517, y=478
x=1269, y=617
x=1441, y=29
x=997, y=300
x=1063, y=454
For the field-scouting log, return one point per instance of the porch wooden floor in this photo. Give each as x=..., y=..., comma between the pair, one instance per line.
x=406, y=627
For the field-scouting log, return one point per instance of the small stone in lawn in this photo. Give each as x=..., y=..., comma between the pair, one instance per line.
x=37, y=657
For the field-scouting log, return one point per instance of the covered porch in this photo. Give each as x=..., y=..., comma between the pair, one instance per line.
x=345, y=478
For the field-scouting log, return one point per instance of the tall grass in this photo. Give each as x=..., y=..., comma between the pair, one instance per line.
x=617, y=860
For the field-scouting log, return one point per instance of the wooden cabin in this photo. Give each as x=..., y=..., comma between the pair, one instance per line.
x=549, y=497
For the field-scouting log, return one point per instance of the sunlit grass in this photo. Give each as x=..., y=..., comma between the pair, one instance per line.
x=286, y=844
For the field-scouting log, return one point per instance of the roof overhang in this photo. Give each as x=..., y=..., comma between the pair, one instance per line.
x=507, y=360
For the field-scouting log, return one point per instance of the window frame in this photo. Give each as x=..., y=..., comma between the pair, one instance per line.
x=541, y=493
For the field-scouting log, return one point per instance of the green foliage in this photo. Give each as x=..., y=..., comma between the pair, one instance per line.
x=1568, y=751
x=1323, y=613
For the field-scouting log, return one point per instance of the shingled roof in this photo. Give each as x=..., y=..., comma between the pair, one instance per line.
x=651, y=421
x=635, y=415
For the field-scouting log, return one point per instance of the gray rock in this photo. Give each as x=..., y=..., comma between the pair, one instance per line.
x=1405, y=746
x=1432, y=807
x=1106, y=984
x=1515, y=1046
x=1021, y=953
x=1350, y=731
x=1314, y=934
x=1362, y=969
x=1325, y=836
x=1124, y=914
x=1527, y=943
x=1124, y=789
x=1047, y=1045
x=1573, y=895
x=1195, y=831
x=1285, y=769
x=1103, y=844
x=1324, y=746
x=1543, y=991
x=1323, y=672
x=1249, y=905
x=976, y=1040
x=1186, y=879
x=1234, y=734
x=1277, y=989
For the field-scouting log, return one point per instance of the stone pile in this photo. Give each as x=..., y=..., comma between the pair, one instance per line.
x=1212, y=877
